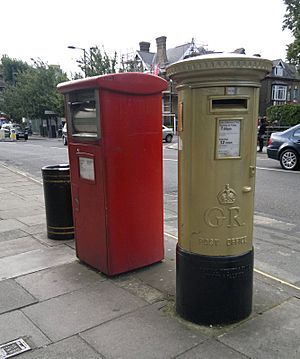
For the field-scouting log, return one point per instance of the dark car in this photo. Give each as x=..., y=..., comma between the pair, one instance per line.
x=21, y=133
x=285, y=147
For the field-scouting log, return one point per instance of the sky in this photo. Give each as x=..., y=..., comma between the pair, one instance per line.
x=45, y=28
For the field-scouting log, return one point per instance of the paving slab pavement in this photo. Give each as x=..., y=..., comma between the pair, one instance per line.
x=65, y=309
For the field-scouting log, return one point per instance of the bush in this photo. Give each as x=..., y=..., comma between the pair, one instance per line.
x=284, y=115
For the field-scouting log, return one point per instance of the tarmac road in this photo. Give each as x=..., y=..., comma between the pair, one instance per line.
x=276, y=190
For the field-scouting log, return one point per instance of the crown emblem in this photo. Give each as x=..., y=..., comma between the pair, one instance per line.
x=227, y=196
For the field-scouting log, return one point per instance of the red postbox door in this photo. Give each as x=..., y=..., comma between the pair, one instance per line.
x=89, y=207
x=132, y=141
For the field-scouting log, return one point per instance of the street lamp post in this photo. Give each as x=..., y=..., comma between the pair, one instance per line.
x=84, y=57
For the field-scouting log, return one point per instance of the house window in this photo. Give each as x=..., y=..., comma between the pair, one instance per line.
x=279, y=93
x=289, y=95
x=278, y=70
x=295, y=94
x=166, y=105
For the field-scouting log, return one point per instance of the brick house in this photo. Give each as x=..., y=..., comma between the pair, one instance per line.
x=279, y=87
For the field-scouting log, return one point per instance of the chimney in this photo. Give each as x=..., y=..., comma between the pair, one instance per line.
x=241, y=51
x=161, y=59
x=144, y=46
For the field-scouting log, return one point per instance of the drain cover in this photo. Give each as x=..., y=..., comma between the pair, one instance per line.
x=13, y=348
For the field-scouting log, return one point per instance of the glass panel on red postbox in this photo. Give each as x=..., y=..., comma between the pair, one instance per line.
x=84, y=110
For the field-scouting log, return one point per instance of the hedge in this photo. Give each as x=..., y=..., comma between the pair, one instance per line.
x=284, y=115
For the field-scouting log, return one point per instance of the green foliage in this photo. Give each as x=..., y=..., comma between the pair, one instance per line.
x=97, y=62
x=34, y=92
x=77, y=76
x=30, y=90
x=292, y=22
x=11, y=68
x=284, y=115
x=134, y=65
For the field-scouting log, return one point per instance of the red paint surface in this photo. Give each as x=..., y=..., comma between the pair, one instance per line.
x=119, y=216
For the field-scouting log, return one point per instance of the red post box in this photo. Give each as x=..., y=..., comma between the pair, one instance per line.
x=115, y=152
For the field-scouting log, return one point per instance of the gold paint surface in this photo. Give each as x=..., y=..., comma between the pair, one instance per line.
x=216, y=192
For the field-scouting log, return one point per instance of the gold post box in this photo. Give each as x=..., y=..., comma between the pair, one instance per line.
x=218, y=97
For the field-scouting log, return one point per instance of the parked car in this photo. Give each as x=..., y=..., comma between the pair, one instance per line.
x=285, y=147
x=167, y=134
x=64, y=134
x=17, y=129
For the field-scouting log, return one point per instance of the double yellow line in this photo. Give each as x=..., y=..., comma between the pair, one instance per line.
x=277, y=279
x=257, y=271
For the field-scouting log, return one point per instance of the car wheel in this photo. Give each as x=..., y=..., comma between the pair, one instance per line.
x=17, y=137
x=65, y=141
x=289, y=160
x=169, y=138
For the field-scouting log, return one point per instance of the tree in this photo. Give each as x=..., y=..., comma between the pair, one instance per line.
x=292, y=23
x=11, y=68
x=34, y=92
x=131, y=65
x=97, y=62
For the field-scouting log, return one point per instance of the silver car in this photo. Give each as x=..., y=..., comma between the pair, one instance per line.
x=167, y=134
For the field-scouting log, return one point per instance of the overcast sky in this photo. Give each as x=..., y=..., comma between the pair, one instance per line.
x=45, y=28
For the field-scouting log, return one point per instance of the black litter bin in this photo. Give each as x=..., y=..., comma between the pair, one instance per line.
x=58, y=201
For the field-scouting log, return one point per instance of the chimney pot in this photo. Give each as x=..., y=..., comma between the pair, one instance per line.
x=144, y=46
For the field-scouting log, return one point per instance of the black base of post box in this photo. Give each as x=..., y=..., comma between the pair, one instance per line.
x=213, y=290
